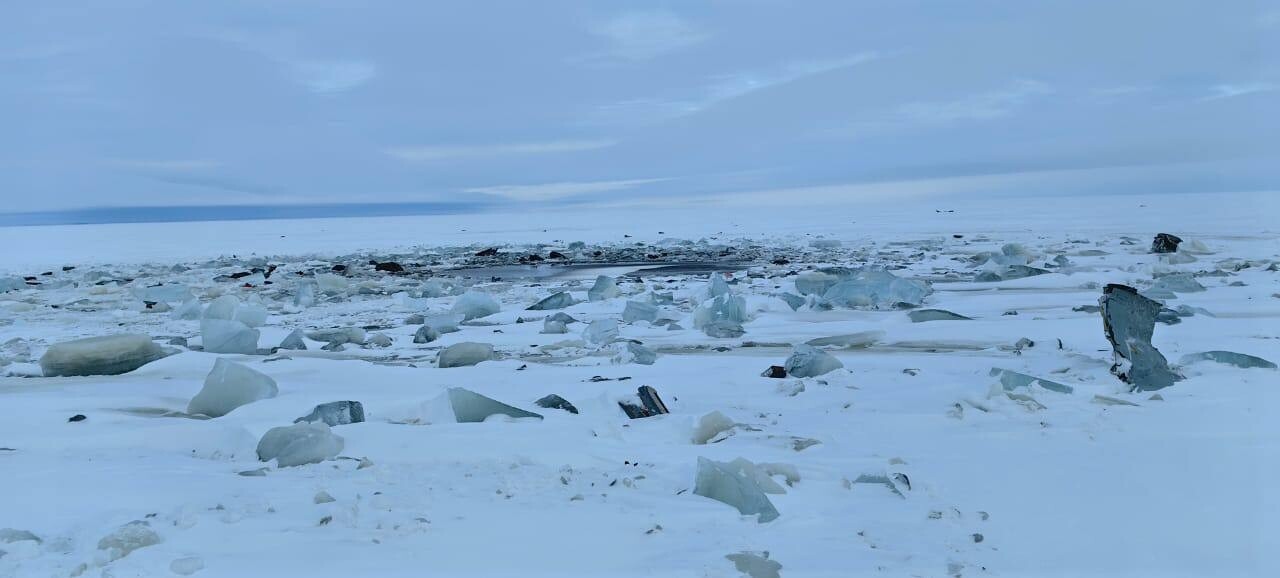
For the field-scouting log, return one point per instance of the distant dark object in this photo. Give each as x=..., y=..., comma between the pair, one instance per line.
x=1165, y=243
x=338, y=268
x=490, y=252
x=1129, y=320
x=780, y=261
x=47, y=273
x=239, y=274
x=68, y=267
x=531, y=259
x=77, y=417
x=957, y=236
x=389, y=266
x=335, y=413
x=651, y=404
x=556, y=255
x=775, y=372
x=554, y=401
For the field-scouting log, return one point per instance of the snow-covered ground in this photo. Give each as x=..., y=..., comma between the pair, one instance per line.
x=992, y=485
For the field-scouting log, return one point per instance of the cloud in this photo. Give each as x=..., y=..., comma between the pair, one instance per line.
x=721, y=88
x=436, y=153
x=164, y=165
x=980, y=106
x=554, y=191
x=638, y=36
x=1233, y=90
x=329, y=76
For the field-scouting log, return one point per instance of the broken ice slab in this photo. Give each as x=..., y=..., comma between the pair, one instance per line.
x=553, y=327
x=815, y=282
x=731, y=309
x=447, y=323
x=425, y=334
x=638, y=311
x=127, y=538
x=338, y=335
x=808, y=361
x=795, y=302
x=1165, y=243
x=558, y=300
x=471, y=407
x=11, y=535
x=294, y=341
x=604, y=288
x=105, y=355
x=335, y=413
x=1012, y=380
x=650, y=404
x=877, y=289
x=1108, y=400
x=726, y=482
x=554, y=401
x=474, y=305
x=299, y=444
x=723, y=329
x=464, y=354
x=601, y=332
x=230, y=385
x=711, y=425
x=717, y=286
x=330, y=283
x=188, y=311
x=1241, y=360
x=12, y=284
x=851, y=341
x=305, y=294
x=923, y=315
x=562, y=317
x=163, y=293
x=632, y=352
x=755, y=565
x=1128, y=321
x=1008, y=273
x=229, y=308
x=882, y=480
x=1168, y=286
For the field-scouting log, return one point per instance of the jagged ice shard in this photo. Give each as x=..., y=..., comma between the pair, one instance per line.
x=1129, y=320
x=727, y=482
x=230, y=385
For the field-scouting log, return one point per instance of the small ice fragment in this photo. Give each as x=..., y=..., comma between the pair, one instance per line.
x=447, y=323
x=322, y=497
x=188, y=311
x=638, y=311
x=305, y=294
x=723, y=329
x=330, y=283
x=464, y=354
x=474, y=305
x=1241, y=360
x=380, y=340
x=729, y=308
x=335, y=413
x=795, y=302
x=558, y=300
x=808, y=361
x=635, y=353
x=127, y=538
x=923, y=315
x=724, y=482
x=877, y=289
x=294, y=341
x=471, y=407
x=850, y=341
x=11, y=535
x=104, y=355
x=755, y=565
x=338, y=335
x=601, y=332
x=1011, y=380
x=879, y=479
x=228, y=336
x=552, y=327
x=554, y=401
x=710, y=426
x=230, y=385
x=186, y=566
x=425, y=334
x=299, y=444
x=1108, y=400
x=604, y=288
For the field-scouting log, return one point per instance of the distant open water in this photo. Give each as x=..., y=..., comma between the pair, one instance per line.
x=103, y=215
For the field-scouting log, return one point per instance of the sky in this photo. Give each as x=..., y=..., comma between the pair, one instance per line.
x=556, y=102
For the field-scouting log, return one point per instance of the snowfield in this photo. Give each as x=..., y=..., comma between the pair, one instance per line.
x=909, y=460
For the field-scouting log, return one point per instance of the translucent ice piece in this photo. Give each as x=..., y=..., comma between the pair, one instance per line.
x=226, y=336
x=471, y=407
x=228, y=386
x=808, y=361
x=299, y=444
x=601, y=332
x=877, y=290
x=558, y=300
x=1240, y=360
x=464, y=354
x=604, y=288
x=106, y=355
x=726, y=483
x=638, y=311
x=474, y=304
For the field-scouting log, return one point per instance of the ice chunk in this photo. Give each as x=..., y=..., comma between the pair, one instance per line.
x=1240, y=360
x=1007, y=272
x=338, y=335
x=438, y=288
x=638, y=311
x=851, y=341
x=881, y=480
x=1128, y=321
x=1176, y=283
x=464, y=354
x=294, y=341
x=601, y=332
x=127, y=538
x=251, y=314
x=163, y=293
x=299, y=444
x=710, y=426
x=551, y=326
x=1165, y=243
x=425, y=334
x=227, y=336
x=554, y=401
x=305, y=294
x=474, y=305
x=105, y=355
x=725, y=482
x=330, y=283
x=558, y=300
x=228, y=386
x=755, y=565
x=335, y=413
x=1011, y=380
x=222, y=308
x=604, y=288
x=187, y=565
x=923, y=315
x=808, y=361
x=471, y=407
x=12, y=284
x=723, y=329
x=877, y=290
x=562, y=317
x=447, y=323
x=815, y=282
x=635, y=353
x=11, y=535
x=717, y=286
x=729, y=308
x=188, y=311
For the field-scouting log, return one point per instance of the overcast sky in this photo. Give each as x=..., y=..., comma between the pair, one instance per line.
x=276, y=102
